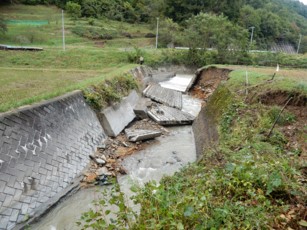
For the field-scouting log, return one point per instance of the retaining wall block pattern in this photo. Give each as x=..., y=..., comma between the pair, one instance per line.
x=42, y=149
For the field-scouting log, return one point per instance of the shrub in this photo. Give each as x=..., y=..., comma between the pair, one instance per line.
x=134, y=55
x=109, y=91
x=94, y=32
x=73, y=9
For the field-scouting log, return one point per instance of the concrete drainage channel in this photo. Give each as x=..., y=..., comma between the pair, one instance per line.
x=149, y=137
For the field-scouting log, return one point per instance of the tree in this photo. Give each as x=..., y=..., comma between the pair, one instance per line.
x=73, y=9
x=93, y=8
x=155, y=9
x=169, y=32
x=211, y=31
x=303, y=46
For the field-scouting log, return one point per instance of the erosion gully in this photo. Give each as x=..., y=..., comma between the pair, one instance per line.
x=168, y=154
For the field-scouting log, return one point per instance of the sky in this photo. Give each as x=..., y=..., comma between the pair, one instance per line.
x=304, y=1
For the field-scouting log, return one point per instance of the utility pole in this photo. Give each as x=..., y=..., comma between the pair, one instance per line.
x=63, y=30
x=299, y=44
x=251, y=42
x=157, y=33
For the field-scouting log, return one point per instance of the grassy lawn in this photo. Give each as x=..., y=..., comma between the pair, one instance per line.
x=25, y=86
x=285, y=79
x=28, y=77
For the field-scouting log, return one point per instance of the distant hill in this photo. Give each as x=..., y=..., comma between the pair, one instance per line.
x=274, y=21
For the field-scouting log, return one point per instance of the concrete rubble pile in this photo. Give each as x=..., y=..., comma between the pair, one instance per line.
x=106, y=161
x=132, y=125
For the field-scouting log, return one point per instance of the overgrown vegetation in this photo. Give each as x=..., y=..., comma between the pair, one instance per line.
x=277, y=21
x=110, y=91
x=246, y=176
x=197, y=57
x=246, y=181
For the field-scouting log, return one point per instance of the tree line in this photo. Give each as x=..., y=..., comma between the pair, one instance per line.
x=273, y=20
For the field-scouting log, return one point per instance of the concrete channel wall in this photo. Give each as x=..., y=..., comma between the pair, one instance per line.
x=205, y=132
x=42, y=149
x=204, y=127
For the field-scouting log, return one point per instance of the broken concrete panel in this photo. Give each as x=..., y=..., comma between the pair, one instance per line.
x=140, y=109
x=181, y=82
x=157, y=77
x=115, y=118
x=191, y=105
x=165, y=115
x=165, y=96
x=135, y=135
x=192, y=81
x=133, y=98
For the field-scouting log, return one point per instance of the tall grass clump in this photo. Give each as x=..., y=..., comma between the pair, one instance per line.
x=109, y=91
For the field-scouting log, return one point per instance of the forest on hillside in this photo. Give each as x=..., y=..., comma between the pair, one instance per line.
x=272, y=21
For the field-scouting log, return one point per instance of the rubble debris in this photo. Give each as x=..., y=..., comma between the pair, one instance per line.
x=89, y=178
x=165, y=96
x=103, y=180
x=103, y=146
x=97, y=160
x=100, y=161
x=165, y=115
x=114, y=150
x=135, y=135
x=103, y=171
x=125, y=144
x=149, y=125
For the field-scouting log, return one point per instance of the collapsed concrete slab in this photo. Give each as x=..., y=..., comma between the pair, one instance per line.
x=181, y=82
x=115, y=118
x=140, y=109
x=165, y=96
x=157, y=77
x=191, y=105
x=133, y=98
x=165, y=115
x=135, y=135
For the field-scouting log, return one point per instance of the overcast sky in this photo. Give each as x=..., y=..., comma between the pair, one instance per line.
x=304, y=1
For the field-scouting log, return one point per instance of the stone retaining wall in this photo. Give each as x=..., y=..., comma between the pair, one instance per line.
x=42, y=149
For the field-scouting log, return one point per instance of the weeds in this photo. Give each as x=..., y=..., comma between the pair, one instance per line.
x=246, y=182
x=285, y=118
x=134, y=55
x=255, y=179
x=108, y=215
x=109, y=91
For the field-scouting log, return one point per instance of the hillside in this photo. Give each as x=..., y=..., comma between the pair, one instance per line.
x=277, y=21
x=23, y=75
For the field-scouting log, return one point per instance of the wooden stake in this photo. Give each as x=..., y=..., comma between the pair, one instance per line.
x=283, y=108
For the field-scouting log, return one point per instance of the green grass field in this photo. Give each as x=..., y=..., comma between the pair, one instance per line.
x=20, y=86
x=28, y=77
x=285, y=79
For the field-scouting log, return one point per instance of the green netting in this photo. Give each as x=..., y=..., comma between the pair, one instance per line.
x=27, y=22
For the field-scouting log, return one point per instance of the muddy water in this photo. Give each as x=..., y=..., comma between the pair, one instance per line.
x=65, y=215
x=167, y=155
